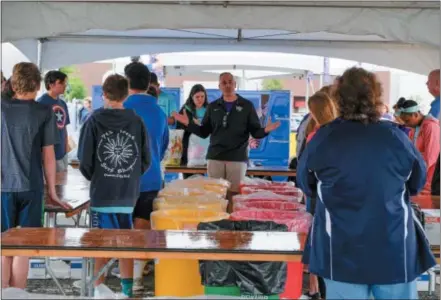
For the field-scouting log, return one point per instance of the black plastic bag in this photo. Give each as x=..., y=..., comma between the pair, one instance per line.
x=253, y=278
x=419, y=214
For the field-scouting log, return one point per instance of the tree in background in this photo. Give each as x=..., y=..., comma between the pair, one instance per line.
x=272, y=84
x=76, y=88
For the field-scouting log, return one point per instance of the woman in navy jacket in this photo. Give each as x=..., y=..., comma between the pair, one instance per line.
x=365, y=239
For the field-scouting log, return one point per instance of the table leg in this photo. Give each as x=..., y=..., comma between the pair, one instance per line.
x=102, y=271
x=76, y=220
x=84, y=272
x=51, y=219
x=90, y=285
x=51, y=222
x=52, y=274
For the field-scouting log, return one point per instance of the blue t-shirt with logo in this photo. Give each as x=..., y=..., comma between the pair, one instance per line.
x=61, y=112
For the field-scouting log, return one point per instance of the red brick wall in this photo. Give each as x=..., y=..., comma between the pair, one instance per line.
x=92, y=74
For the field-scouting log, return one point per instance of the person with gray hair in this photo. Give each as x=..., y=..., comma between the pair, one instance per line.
x=433, y=83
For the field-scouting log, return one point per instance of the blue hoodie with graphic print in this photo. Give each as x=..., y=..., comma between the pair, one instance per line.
x=113, y=152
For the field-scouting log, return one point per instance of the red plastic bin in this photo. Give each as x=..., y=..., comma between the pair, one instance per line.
x=297, y=221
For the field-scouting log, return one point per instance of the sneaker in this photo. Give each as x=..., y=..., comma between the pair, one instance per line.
x=77, y=283
x=315, y=296
x=120, y=296
x=102, y=291
x=138, y=284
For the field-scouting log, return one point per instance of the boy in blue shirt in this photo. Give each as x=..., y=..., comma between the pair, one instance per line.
x=114, y=153
x=55, y=83
x=155, y=121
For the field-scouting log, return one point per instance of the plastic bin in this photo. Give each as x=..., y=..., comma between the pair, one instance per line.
x=194, y=203
x=180, y=277
x=297, y=221
x=218, y=186
x=249, y=280
x=173, y=191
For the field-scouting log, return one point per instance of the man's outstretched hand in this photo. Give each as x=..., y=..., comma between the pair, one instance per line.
x=181, y=118
x=271, y=126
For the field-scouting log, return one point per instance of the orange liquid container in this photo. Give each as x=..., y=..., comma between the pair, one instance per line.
x=189, y=202
x=180, y=277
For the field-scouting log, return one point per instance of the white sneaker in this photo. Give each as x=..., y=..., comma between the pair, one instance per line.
x=121, y=296
x=77, y=283
x=138, y=284
x=102, y=291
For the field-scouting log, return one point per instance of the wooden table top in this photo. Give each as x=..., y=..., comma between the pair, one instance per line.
x=71, y=177
x=253, y=171
x=210, y=245
x=73, y=188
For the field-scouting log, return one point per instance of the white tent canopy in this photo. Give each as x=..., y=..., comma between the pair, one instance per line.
x=399, y=34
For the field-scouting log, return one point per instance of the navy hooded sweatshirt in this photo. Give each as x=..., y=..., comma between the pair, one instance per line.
x=113, y=153
x=364, y=229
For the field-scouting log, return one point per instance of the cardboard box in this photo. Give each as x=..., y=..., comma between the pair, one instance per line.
x=37, y=269
x=60, y=268
x=432, y=225
x=76, y=266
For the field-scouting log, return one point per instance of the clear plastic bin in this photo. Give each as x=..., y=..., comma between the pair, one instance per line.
x=195, y=203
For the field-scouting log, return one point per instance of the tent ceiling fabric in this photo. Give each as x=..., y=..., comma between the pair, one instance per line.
x=77, y=32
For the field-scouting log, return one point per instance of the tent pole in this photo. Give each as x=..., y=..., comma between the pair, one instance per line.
x=39, y=54
x=307, y=89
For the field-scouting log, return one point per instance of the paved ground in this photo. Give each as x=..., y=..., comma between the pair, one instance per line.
x=48, y=287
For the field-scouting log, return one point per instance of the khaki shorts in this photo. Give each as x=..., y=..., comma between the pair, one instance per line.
x=62, y=164
x=232, y=171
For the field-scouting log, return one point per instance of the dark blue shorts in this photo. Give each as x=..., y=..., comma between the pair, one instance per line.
x=110, y=220
x=24, y=209
x=144, y=205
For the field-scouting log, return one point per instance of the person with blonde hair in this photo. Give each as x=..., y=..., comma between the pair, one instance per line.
x=323, y=111
x=307, y=124
x=29, y=133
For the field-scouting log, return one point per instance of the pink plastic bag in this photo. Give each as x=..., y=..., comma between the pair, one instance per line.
x=258, y=182
x=264, y=196
x=297, y=221
x=281, y=190
x=269, y=204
